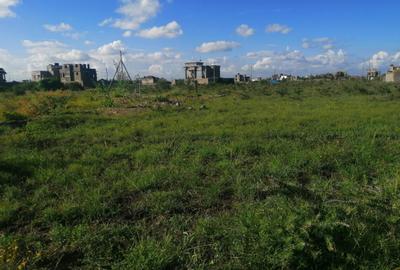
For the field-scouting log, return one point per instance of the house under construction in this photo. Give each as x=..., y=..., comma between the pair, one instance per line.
x=201, y=73
x=393, y=75
x=3, y=74
x=78, y=73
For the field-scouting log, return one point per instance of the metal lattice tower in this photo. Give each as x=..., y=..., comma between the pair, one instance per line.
x=121, y=72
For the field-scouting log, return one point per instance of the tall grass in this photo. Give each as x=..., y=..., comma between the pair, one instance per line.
x=299, y=175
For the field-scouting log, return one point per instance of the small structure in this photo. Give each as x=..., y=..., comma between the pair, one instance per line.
x=202, y=74
x=40, y=75
x=239, y=78
x=373, y=74
x=53, y=71
x=283, y=77
x=149, y=80
x=393, y=75
x=341, y=75
x=3, y=74
x=78, y=73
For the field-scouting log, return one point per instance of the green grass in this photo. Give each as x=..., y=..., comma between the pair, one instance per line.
x=296, y=176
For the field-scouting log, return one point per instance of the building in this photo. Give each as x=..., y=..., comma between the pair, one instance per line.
x=53, y=71
x=256, y=79
x=393, y=75
x=239, y=78
x=341, y=75
x=373, y=74
x=78, y=73
x=202, y=74
x=149, y=80
x=3, y=74
x=283, y=77
x=40, y=75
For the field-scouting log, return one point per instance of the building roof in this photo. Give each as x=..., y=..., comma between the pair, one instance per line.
x=3, y=71
x=195, y=63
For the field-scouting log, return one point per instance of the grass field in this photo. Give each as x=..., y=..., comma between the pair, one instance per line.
x=294, y=176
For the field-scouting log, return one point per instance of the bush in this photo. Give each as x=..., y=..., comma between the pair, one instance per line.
x=73, y=87
x=14, y=116
x=50, y=84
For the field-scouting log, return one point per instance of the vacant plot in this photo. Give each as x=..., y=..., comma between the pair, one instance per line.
x=302, y=175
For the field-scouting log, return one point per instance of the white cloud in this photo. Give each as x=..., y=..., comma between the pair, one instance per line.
x=244, y=30
x=88, y=42
x=296, y=62
x=138, y=61
x=106, y=22
x=58, y=28
x=42, y=53
x=5, y=8
x=135, y=13
x=217, y=46
x=111, y=48
x=156, y=69
x=382, y=59
x=127, y=34
x=278, y=28
x=171, y=30
x=328, y=58
x=14, y=66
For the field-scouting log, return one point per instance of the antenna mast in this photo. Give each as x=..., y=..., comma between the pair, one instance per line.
x=121, y=72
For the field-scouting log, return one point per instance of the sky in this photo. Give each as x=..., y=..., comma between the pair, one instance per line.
x=157, y=37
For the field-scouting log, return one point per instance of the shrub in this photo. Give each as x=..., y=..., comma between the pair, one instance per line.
x=50, y=84
x=73, y=87
x=14, y=116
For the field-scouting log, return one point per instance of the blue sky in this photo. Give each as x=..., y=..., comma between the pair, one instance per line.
x=158, y=36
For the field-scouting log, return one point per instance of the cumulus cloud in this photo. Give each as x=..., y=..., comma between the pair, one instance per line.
x=278, y=28
x=156, y=69
x=61, y=27
x=329, y=58
x=217, y=46
x=135, y=13
x=5, y=8
x=14, y=66
x=244, y=30
x=382, y=60
x=296, y=61
x=171, y=30
x=41, y=53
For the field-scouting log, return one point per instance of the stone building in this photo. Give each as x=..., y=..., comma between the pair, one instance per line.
x=78, y=73
x=149, y=80
x=3, y=74
x=240, y=78
x=40, y=75
x=53, y=71
x=393, y=75
x=202, y=74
